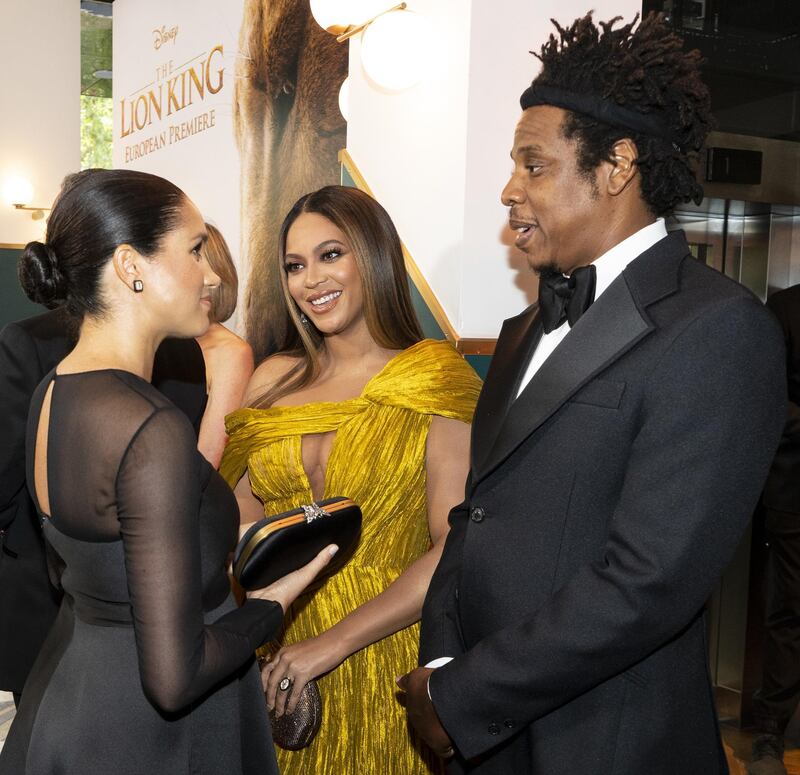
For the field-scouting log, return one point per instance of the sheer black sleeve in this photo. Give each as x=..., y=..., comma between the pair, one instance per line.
x=158, y=492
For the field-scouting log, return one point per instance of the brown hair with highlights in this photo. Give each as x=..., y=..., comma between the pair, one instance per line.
x=223, y=296
x=388, y=310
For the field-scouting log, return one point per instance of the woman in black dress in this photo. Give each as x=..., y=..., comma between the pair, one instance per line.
x=149, y=667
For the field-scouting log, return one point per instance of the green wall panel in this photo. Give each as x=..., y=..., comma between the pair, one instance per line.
x=14, y=304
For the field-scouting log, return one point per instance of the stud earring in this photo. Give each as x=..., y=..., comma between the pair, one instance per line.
x=138, y=286
x=304, y=319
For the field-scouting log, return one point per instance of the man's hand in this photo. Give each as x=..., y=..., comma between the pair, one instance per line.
x=421, y=712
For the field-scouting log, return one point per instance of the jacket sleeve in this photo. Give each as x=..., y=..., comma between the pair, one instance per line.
x=20, y=372
x=714, y=407
x=439, y=634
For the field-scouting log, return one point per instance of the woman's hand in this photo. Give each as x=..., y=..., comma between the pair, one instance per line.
x=285, y=590
x=299, y=663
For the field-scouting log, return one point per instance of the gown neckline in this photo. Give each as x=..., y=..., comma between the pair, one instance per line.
x=359, y=397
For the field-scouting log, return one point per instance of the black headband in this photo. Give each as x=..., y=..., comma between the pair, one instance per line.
x=603, y=110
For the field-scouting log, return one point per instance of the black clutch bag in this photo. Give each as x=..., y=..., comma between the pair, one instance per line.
x=277, y=545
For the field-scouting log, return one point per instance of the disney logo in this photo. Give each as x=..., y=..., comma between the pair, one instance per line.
x=164, y=35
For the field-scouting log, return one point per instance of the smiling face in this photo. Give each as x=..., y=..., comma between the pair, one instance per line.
x=322, y=275
x=177, y=279
x=559, y=214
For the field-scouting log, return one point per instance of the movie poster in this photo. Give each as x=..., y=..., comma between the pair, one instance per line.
x=237, y=103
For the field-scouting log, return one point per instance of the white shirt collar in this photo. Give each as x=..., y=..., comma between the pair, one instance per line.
x=611, y=264
x=608, y=267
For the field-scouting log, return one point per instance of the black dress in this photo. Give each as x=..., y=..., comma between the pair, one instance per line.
x=149, y=667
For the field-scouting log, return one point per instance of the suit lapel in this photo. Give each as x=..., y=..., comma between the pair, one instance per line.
x=516, y=344
x=609, y=328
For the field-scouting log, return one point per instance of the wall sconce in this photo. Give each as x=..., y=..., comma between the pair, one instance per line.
x=18, y=192
x=387, y=38
x=394, y=48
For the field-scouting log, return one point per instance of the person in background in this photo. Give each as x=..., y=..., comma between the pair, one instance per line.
x=779, y=694
x=353, y=402
x=149, y=666
x=228, y=358
x=620, y=443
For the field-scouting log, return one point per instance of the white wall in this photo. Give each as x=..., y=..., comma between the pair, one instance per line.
x=437, y=156
x=410, y=147
x=40, y=99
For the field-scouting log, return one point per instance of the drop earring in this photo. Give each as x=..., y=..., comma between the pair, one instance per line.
x=304, y=319
x=138, y=286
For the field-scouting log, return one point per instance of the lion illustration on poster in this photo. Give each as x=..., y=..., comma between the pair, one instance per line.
x=288, y=131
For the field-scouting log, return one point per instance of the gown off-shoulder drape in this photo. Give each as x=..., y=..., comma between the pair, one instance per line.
x=148, y=667
x=378, y=460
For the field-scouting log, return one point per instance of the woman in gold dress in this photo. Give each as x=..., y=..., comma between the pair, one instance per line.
x=353, y=401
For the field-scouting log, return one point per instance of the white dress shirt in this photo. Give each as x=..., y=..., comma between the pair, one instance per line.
x=608, y=267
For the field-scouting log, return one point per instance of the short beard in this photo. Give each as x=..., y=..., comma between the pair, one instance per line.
x=547, y=271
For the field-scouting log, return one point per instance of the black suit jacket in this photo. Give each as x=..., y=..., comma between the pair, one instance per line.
x=782, y=491
x=601, y=508
x=29, y=349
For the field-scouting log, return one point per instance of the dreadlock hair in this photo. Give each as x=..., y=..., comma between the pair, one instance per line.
x=645, y=70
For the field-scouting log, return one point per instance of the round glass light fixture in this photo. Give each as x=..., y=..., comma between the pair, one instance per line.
x=17, y=191
x=327, y=14
x=336, y=15
x=395, y=50
x=333, y=15
x=344, y=98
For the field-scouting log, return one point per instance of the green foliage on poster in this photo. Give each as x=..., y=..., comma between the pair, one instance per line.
x=96, y=132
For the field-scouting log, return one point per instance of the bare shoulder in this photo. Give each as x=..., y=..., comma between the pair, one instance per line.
x=218, y=337
x=223, y=350
x=241, y=352
x=268, y=373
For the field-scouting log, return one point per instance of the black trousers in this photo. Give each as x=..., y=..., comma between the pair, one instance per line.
x=779, y=695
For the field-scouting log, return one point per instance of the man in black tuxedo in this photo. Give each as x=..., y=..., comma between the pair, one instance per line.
x=779, y=694
x=29, y=349
x=619, y=445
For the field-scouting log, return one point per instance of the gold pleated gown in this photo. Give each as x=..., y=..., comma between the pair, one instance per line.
x=378, y=460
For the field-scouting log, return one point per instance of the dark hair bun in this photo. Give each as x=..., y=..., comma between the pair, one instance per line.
x=40, y=275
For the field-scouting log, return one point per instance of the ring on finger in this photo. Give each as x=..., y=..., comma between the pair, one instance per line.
x=286, y=683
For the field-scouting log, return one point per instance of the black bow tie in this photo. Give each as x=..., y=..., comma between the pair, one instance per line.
x=566, y=298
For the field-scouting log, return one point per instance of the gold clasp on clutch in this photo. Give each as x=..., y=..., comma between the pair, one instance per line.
x=314, y=511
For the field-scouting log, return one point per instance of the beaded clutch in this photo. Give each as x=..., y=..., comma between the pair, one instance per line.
x=297, y=729
x=277, y=545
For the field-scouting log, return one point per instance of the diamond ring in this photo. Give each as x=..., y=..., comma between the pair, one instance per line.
x=285, y=684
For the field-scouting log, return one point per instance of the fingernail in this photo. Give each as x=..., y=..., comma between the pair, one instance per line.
x=333, y=550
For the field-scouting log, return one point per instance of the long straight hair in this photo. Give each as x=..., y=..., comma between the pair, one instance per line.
x=388, y=311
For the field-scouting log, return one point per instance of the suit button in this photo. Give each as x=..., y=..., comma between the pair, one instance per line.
x=477, y=514
x=494, y=729
x=509, y=723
